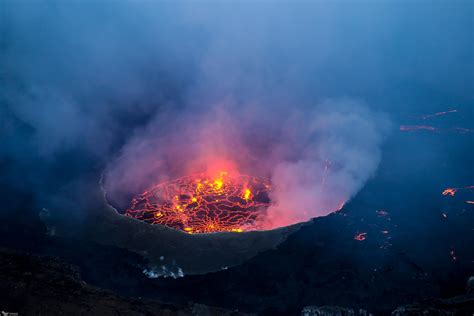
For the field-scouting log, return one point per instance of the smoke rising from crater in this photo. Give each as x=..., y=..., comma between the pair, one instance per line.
x=316, y=159
x=241, y=114
x=149, y=91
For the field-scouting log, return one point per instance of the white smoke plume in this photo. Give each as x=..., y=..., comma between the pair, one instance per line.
x=151, y=90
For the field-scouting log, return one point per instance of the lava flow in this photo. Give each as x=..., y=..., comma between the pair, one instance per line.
x=408, y=128
x=411, y=128
x=203, y=204
x=429, y=116
x=360, y=237
x=452, y=191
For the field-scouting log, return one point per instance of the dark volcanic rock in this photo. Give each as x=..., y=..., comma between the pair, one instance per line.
x=470, y=285
x=454, y=306
x=35, y=285
x=332, y=311
x=418, y=248
x=418, y=309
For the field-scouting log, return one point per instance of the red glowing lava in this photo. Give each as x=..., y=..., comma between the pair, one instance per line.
x=430, y=128
x=452, y=191
x=202, y=204
x=449, y=191
x=360, y=237
x=428, y=116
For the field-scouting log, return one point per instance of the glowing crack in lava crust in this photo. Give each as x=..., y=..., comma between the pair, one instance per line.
x=203, y=204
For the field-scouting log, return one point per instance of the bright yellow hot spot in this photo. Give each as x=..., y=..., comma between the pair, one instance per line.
x=194, y=199
x=188, y=229
x=247, y=194
x=218, y=184
x=236, y=230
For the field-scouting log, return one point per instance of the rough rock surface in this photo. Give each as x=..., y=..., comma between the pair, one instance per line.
x=413, y=251
x=470, y=285
x=332, y=311
x=36, y=285
x=454, y=306
x=419, y=309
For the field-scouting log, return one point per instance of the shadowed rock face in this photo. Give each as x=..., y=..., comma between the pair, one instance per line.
x=321, y=264
x=332, y=311
x=34, y=285
x=168, y=249
x=194, y=254
x=470, y=285
x=455, y=306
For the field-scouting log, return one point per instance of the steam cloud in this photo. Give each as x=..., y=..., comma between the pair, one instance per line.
x=316, y=159
x=149, y=91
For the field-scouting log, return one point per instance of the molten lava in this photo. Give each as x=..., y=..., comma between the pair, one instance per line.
x=449, y=191
x=360, y=237
x=452, y=191
x=203, y=204
x=429, y=116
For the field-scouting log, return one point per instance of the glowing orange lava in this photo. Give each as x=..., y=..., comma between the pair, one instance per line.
x=202, y=204
x=449, y=191
x=452, y=191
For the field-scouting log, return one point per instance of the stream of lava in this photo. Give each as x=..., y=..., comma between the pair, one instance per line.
x=452, y=191
x=202, y=204
x=429, y=116
x=430, y=128
x=410, y=128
